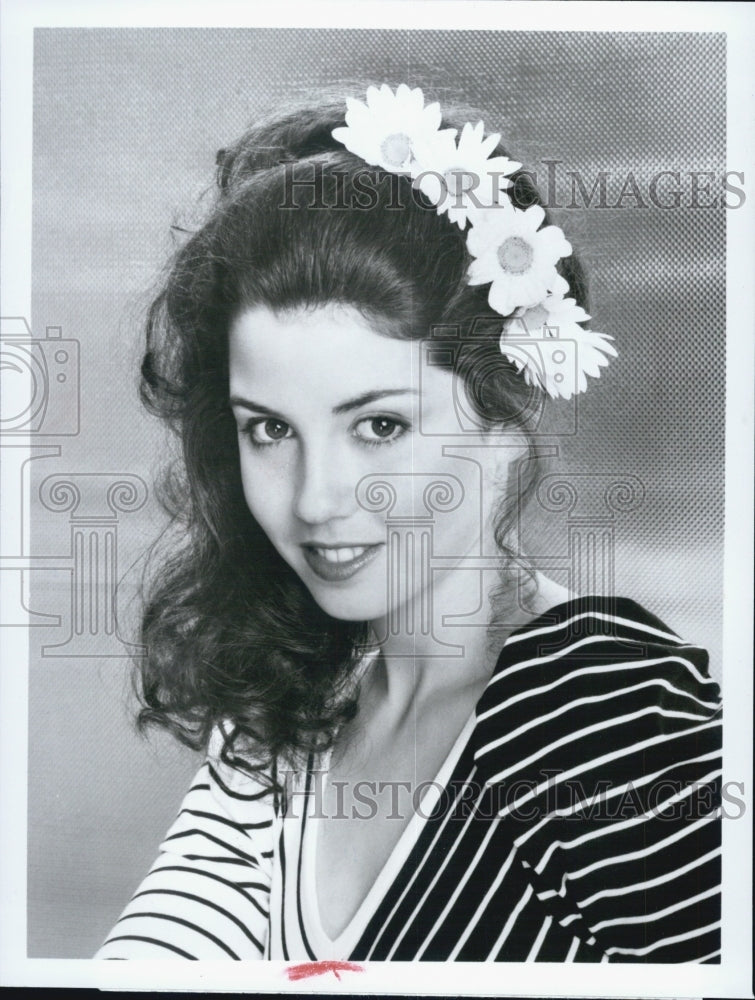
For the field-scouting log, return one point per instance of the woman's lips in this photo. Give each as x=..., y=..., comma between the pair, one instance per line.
x=338, y=562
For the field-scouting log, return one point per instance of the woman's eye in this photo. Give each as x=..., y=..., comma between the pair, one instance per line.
x=268, y=431
x=380, y=430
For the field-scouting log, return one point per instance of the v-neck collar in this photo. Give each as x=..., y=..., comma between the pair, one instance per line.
x=512, y=650
x=346, y=941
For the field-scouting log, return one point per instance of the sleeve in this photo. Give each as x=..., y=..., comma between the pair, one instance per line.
x=620, y=823
x=206, y=896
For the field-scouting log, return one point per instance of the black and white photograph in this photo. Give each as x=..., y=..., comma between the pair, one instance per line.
x=377, y=497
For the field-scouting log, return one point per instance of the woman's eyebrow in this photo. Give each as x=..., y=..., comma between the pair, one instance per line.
x=247, y=404
x=371, y=397
x=346, y=407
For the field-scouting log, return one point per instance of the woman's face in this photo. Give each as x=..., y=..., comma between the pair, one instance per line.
x=321, y=401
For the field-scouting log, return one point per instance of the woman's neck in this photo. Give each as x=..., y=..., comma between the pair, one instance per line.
x=464, y=643
x=454, y=652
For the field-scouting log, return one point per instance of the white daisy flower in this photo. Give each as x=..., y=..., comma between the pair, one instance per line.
x=384, y=131
x=551, y=350
x=515, y=256
x=459, y=178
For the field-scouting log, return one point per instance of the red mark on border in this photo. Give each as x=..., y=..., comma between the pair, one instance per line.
x=306, y=969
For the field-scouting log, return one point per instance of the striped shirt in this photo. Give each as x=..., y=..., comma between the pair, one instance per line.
x=577, y=818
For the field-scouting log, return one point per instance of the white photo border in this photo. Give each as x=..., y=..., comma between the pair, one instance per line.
x=733, y=978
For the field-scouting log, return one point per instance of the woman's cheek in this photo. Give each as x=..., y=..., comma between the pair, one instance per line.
x=266, y=486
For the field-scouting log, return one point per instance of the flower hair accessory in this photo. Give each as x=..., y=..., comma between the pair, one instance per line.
x=542, y=333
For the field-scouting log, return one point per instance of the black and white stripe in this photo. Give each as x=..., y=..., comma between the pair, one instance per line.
x=578, y=823
x=207, y=895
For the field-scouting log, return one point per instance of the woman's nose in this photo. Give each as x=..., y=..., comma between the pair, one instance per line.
x=326, y=487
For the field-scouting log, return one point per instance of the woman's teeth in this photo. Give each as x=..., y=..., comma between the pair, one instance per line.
x=340, y=555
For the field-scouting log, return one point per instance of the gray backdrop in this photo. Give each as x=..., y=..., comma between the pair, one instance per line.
x=126, y=124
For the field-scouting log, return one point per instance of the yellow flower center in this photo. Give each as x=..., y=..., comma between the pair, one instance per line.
x=515, y=255
x=396, y=149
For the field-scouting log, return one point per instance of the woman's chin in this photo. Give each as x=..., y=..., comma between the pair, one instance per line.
x=345, y=603
x=349, y=612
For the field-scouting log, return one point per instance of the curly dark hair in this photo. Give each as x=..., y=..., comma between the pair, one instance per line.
x=233, y=638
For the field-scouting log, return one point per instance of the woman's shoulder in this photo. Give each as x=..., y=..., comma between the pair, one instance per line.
x=600, y=732
x=208, y=889
x=591, y=676
x=224, y=797
x=593, y=627
x=232, y=783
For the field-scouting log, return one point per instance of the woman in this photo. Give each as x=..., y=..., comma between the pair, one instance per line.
x=418, y=747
